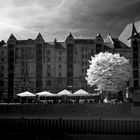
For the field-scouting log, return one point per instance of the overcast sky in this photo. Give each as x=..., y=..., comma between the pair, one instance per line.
x=56, y=18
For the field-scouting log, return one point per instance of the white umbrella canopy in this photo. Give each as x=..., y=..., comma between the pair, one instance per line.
x=80, y=92
x=64, y=92
x=45, y=94
x=26, y=94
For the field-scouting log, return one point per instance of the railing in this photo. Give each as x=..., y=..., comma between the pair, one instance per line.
x=74, y=126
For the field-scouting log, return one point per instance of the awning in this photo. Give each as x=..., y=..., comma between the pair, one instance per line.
x=26, y=94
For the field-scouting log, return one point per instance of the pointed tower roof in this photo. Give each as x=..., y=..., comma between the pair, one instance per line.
x=39, y=35
x=70, y=35
x=134, y=31
x=130, y=30
x=99, y=37
x=12, y=36
x=55, y=40
x=69, y=38
x=109, y=41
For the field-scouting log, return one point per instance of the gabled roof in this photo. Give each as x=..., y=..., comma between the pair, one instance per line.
x=114, y=43
x=107, y=48
x=2, y=43
x=84, y=41
x=59, y=45
x=5, y=45
x=25, y=42
x=108, y=41
x=118, y=44
x=128, y=31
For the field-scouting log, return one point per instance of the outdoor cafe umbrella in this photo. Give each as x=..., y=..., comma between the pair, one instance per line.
x=80, y=92
x=26, y=94
x=64, y=92
x=45, y=94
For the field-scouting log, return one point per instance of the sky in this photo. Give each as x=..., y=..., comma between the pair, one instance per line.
x=57, y=18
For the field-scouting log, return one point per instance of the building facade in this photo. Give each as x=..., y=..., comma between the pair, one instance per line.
x=36, y=65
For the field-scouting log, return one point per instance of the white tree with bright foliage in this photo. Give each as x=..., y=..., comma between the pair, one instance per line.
x=109, y=72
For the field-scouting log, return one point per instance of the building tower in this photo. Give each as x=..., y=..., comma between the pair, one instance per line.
x=70, y=46
x=99, y=43
x=11, y=62
x=135, y=44
x=39, y=57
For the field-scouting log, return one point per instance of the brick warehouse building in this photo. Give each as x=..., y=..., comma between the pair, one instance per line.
x=36, y=65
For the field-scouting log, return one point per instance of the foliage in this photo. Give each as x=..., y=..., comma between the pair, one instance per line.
x=109, y=72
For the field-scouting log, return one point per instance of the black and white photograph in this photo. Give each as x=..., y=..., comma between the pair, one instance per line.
x=69, y=69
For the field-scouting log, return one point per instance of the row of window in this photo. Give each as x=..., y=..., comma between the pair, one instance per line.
x=49, y=66
x=32, y=59
x=49, y=83
x=84, y=49
x=25, y=52
x=49, y=59
x=28, y=52
x=49, y=52
x=84, y=63
x=49, y=74
x=98, y=49
x=84, y=71
x=86, y=56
